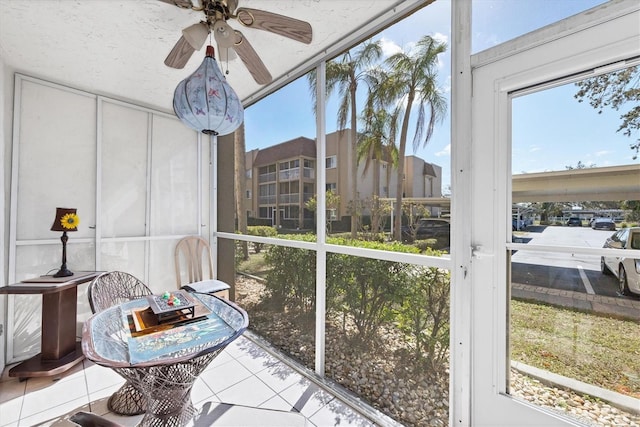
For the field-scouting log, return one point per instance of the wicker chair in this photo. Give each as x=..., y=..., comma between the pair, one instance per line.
x=107, y=290
x=194, y=253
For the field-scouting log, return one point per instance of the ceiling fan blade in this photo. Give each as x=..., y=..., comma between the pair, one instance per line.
x=251, y=60
x=180, y=54
x=279, y=24
x=186, y=4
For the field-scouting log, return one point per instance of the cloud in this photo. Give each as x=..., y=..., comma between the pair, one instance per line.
x=446, y=151
x=534, y=148
x=442, y=38
x=389, y=47
x=446, y=88
x=603, y=153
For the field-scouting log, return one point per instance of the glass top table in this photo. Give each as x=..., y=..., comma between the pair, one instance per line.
x=162, y=366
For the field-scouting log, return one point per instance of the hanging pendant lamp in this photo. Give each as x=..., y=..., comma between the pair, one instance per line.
x=205, y=102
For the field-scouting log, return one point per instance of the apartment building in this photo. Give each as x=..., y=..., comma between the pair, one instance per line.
x=280, y=179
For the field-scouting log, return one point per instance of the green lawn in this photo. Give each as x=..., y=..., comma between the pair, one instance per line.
x=590, y=348
x=255, y=265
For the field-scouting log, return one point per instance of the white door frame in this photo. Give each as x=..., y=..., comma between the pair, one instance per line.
x=585, y=43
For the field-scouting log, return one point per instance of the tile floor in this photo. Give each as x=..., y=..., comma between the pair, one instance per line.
x=243, y=375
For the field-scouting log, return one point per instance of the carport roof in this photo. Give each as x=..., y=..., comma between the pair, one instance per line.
x=577, y=185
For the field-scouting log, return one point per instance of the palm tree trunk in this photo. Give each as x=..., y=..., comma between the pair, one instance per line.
x=397, y=219
x=375, y=218
x=397, y=224
x=239, y=171
x=354, y=164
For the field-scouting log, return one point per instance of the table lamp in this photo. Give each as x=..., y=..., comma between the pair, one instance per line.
x=66, y=220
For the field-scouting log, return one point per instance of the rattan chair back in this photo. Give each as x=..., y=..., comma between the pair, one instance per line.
x=115, y=287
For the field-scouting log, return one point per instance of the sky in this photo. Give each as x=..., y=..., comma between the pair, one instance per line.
x=573, y=132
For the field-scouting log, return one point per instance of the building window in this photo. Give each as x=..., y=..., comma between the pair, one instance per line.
x=267, y=173
x=291, y=212
x=248, y=173
x=290, y=164
x=308, y=171
x=248, y=194
x=265, y=212
x=308, y=191
x=289, y=170
x=331, y=215
x=289, y=192
x=331, y=186
x=267, y=194
x=331, y=162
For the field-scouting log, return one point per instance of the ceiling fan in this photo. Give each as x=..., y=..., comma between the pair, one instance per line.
x=230, y=41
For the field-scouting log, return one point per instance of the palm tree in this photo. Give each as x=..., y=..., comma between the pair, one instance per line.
x=376, y=143
x=240, y=184
x=344, y=74
x=411, y=78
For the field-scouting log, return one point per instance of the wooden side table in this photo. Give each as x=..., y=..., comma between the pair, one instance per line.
x=59, y=350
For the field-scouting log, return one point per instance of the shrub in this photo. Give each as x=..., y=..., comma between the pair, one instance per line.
x=425, y=244
x=370, y=291
x=362, y=235
x=292, y=277
x=424, y=316
x=367, y=289
x=263, y=231
x=239, y=253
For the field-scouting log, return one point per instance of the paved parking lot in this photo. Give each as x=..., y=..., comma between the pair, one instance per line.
x=572, y=279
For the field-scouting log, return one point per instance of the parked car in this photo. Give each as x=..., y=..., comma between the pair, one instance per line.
x=626, y=269
x=603, y=224
x=574, y=221
x=517, y=224
x=427, y=228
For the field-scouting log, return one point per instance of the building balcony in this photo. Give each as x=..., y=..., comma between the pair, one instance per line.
x=289, y=198
x=289, y=174
x=267, y=200
x=267, y=177
x=309, y=173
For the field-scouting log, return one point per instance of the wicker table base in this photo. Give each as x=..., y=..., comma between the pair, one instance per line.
x=160, y=368
x=127, y=401
x=167, y=389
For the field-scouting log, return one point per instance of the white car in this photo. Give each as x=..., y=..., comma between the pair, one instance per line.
x=627, y=270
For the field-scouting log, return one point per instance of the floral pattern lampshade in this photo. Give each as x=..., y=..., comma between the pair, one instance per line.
x=204, y=101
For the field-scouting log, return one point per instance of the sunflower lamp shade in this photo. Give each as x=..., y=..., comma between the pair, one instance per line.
x=205, y=102
x=66, y=220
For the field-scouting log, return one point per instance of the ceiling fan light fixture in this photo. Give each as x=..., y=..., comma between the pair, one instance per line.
x=196, y=34
x=205, y=102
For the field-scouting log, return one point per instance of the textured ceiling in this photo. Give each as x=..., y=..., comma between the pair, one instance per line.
x=117, y=47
